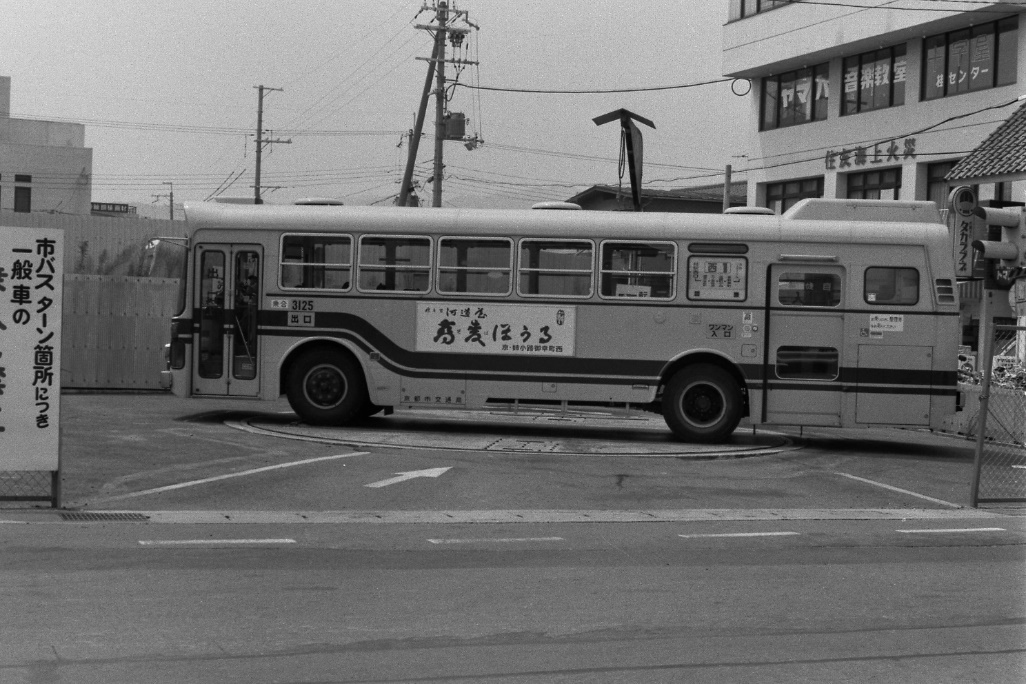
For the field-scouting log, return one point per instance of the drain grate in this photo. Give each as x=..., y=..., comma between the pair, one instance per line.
x=105, y=517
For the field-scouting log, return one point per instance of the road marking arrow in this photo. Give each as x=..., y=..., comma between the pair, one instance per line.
x=409, y=475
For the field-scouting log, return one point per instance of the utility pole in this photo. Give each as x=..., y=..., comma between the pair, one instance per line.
x=418, y=129
x=441, y=17
x=436, y=66
x=172, y=198
x=726, y=187
x=261, y=141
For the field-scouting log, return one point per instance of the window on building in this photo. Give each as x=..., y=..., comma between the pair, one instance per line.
x=884, y=184
x=739, y=9
x=795, y=97
x=782, y=196
x=874, y=80
x=976, y=58
x=23, y=199
x=937, y=188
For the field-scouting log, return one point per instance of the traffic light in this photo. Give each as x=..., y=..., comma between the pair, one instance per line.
x=1005, y=251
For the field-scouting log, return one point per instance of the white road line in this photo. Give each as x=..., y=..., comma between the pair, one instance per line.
x=210, y=542
x=900, y=491
x=193, y=483
x=953, y=530
x=739, y=534
x=506, y=540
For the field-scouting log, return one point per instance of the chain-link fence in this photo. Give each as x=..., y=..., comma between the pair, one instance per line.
x=29, y=485
x=1000, y=465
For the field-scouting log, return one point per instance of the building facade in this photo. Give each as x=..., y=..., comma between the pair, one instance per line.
x=44, y=165
x=873, y=99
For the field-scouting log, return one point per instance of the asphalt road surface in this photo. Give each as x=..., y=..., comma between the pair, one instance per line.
x=204, y=541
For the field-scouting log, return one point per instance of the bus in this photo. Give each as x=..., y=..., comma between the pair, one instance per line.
x=837, y=313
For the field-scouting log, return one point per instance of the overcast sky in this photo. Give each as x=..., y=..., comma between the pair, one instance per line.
x=166, y=90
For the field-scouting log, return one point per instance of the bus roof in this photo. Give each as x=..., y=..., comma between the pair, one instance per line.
x=813, y=220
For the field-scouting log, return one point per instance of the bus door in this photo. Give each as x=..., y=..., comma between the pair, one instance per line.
x=227, y=298
x=805, y=336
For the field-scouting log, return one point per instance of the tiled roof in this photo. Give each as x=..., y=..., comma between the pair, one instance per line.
x=1002, y=153
x=708, y=193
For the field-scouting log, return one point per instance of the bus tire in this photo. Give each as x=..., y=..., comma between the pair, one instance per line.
x=702, y=403
x=326, y=388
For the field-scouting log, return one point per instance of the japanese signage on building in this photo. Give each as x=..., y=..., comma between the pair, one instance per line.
x=886, y=152
x=31, y=290
x=963, y=224
x=516, y=329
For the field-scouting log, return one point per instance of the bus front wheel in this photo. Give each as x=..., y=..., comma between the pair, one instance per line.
x=702, y=403
x=326, y=388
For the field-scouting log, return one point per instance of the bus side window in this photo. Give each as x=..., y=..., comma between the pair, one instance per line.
x=400, y=264
x=556, y=268
x=320, y=262
x=638, y=270
x=809, y=289
x=891, y=285
x=475, y=266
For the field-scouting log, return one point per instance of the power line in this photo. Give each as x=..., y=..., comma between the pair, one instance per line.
x=594, y=92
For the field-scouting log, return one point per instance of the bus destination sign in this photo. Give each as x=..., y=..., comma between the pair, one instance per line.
x=515, y=329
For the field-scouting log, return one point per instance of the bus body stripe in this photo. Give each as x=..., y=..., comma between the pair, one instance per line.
x=592, y=371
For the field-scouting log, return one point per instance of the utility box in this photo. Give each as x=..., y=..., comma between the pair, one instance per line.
x=455, y=126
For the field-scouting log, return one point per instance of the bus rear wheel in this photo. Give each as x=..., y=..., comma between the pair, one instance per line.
x=326, y=388
x=702, y=403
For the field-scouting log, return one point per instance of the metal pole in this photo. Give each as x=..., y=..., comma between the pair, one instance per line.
x=442, y=16
x=726, y=188
x=984, y=358
x=418, y=127
x=259, y=144
x=172, y=196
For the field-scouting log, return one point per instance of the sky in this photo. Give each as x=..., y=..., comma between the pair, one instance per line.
x=167, y=92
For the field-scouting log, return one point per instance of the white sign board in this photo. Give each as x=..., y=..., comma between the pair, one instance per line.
x=963, y=224
x=515, y=329
x=31, y=297
x=885, y=323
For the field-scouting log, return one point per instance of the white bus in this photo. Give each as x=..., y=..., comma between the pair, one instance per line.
x=838, y=313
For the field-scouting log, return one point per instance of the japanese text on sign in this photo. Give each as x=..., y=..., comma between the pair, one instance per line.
x=881, y=323
x=522, y=330
x=721, y=278
x=888, y=151
x=31, y=288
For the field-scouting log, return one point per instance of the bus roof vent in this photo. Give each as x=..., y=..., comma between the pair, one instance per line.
x=557, y=205
x=765, y=211
x=319, y=201
x=898, y=211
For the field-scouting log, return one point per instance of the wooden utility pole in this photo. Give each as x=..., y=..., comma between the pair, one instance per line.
x=418, y=128
x=172, y=198
x=261, y=141
x=441, y=17
x=436, y=69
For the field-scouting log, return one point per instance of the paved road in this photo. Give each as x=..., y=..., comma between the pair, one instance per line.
x=205, y=542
